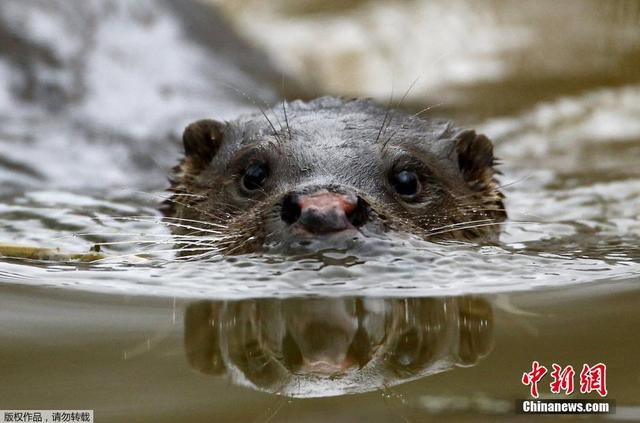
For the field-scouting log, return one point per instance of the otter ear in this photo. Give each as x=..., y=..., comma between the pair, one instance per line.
x=475, y=156
x=202, y=140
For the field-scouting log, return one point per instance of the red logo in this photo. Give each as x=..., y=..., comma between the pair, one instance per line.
x=533, y=377
x=592, y=379
x=562, y=379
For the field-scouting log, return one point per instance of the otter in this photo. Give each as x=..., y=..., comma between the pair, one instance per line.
x=319, y=347
x=331, y=170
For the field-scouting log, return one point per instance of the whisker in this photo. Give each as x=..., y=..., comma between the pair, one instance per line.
x=190, y=206
x=455, y=225
x=399, y=105
x=171, y=224
x=426, y=109
x=386, y=115
x=189, y=240
x=253, y=101
x=165, y=195
x=161, y=219
x=517, y=181
x=112, y=234
x=153, y=252
x=461, y=228
x=200, y=256
x=286, y=119
x=284, y=110
x=499, y=186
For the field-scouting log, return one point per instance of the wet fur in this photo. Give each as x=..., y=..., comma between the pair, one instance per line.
x=463, y=200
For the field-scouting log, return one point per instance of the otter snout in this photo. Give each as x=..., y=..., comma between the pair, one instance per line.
x=323, y=211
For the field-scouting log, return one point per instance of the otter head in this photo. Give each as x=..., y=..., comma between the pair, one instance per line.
x=318, y=347
x=331, y=171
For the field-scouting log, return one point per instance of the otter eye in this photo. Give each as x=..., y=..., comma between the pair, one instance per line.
x=405, y=183
x=254, y=176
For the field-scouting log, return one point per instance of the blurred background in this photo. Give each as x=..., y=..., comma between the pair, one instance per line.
x=95, y=94
x=481, y=58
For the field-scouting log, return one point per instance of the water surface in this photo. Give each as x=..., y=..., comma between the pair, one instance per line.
x=91, y=120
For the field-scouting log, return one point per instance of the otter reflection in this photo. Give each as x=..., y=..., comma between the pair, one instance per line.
x=317, y=347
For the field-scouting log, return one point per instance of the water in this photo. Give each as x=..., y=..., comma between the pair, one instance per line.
x=92, y=102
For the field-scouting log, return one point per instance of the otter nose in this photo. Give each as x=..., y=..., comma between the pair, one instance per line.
x=322, y=212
